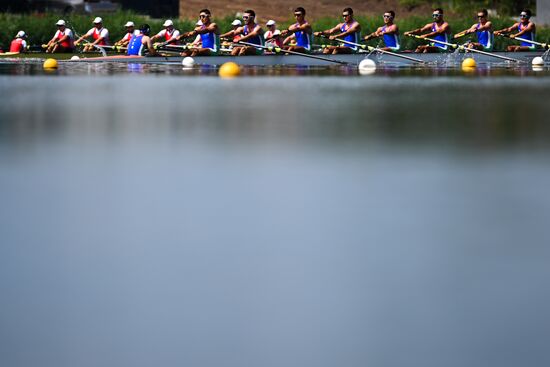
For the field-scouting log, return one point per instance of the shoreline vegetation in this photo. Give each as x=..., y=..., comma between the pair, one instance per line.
x=40, y=28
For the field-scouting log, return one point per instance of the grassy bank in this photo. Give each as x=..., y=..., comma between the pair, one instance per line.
x=41, y=28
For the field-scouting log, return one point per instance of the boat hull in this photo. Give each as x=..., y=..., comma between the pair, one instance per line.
x=290, y=60
x=323, y=60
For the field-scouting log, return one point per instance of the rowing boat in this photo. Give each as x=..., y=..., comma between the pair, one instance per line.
x=288, y=60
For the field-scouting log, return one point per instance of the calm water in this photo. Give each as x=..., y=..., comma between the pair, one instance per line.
x=160, y=219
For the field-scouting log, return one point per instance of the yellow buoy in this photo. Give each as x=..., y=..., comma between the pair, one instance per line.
x=229, y=70
x=50, y=64
x=469, y=63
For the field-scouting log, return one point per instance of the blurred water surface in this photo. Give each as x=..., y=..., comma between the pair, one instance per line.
x=274, y=221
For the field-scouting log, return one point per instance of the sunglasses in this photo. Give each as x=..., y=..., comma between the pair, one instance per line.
x=436, y=15
x=345, y=15
x=245, y=17
x=297, y=14
x=204, y=16
x=387, y=16
x=523, y=16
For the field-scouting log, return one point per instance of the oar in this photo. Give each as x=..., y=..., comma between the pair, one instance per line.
x=278, y=49
x=466, y=49
x=370, y=48
x=162, y=46
x=543, y=45
x=100, y=48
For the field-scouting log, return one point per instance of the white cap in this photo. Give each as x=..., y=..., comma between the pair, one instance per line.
x=168, y=23
x=20, y=34
x=236, y=22
x=60, y=22
x=270, y=22
x=199, y=22
x=98, y=20
x=129, y=24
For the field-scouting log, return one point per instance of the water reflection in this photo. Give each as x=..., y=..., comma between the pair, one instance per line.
x=273, y=221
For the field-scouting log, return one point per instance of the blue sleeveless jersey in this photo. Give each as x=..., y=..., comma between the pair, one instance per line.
x=440, y=37
x=257, y=40
x=135, y=47
x=528, y=36
x=354, y=37
x=210, y=40
x=391, y=40
x=303, y=39
x=485, y=38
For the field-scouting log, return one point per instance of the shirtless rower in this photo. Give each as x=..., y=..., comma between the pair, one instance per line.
x=169, y=34
x=130, y=31
x=349, y=30
x=300, y=31
x=439, y=30
x=99, y=34
x=141, y=44
x=389, y=33
x=209, y=35
x=250, y=33
x=19, y=43
x=525, y=29
x=63, y=39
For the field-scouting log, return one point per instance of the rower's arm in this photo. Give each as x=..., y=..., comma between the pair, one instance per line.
x=212, y=27
x=443, y=30
x=254, y=33
x=529, y=28
x=389, y=30
x=231, y=33
x=374, y=34
x=149, y=44
x=102, y=36
x=507, y=30
x=485, y=27
x=328, y=32
x=288, y=39
x=355, y=28
x=419, y=30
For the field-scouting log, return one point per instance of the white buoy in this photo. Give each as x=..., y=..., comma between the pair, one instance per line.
x=367, y=67
x=74, y=58
x=538, y=61
x=538, y=68
x=188, y=62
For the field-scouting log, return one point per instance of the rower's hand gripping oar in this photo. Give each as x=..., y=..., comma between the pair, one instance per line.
x=377, y=49
x=279, y=50
x=545, y=46
x=464, y=48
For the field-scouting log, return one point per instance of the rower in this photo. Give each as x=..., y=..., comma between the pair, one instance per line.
x=209, y=36
x=250, y=33
x=389, y=33
x=439, y=30
x=169, y=34
x=273, y=36
x=525, y=29
x=300, y=31
x=349, y=30
x=141, y=43
x=19, y=44
x=130, y=31
x=483, y=30
x=63, y=39
x=99, y=34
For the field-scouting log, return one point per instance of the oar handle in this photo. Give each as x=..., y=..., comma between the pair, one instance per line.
x=543, y=45
x=453, y=45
